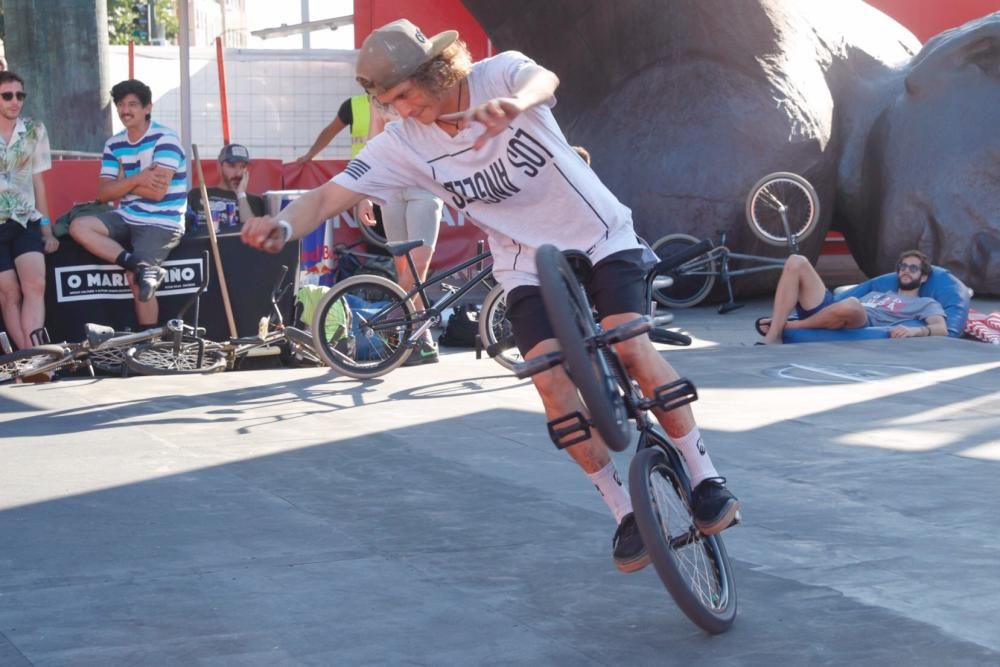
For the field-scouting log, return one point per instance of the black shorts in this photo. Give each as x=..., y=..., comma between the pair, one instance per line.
x=150, y=244
x=617, y=284
x=16, y=240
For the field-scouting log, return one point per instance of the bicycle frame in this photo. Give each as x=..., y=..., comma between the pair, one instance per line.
x=431, y=314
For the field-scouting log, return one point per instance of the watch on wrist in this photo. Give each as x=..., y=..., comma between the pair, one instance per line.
x=286, y=231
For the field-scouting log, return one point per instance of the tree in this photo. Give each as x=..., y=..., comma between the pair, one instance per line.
x=122, y=14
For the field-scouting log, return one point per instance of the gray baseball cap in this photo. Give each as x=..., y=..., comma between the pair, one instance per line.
x=234, y=153
x=392, y=53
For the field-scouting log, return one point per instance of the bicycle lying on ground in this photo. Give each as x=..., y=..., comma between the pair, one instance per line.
x=782, y=209
x=167, y=357
x=695, y=568
x=105, y=348
x=366, y=326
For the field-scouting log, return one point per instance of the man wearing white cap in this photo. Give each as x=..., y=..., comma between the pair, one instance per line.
x=482, y=137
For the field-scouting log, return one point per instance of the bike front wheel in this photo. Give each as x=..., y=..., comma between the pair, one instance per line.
x=361, y=326
x=29, y=361
x=782, y=206
x=573, y=322
x=165, y=357
x=494, y=328
x=694, y=568
x=692, y=281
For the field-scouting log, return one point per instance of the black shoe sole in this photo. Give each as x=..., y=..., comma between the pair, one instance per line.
x=727, y=518
x=633, y=565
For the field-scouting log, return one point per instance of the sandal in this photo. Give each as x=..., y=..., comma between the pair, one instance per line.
x=760, y=323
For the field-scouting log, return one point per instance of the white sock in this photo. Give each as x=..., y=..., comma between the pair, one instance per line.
x=696, y=458
x=609, y=485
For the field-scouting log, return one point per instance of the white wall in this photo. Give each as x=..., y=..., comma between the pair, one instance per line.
x=278, y=100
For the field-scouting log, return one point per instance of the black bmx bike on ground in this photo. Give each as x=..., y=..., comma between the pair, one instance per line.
x=694, y=567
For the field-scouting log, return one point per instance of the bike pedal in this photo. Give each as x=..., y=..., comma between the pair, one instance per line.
x=577, y=430
x=671, y=396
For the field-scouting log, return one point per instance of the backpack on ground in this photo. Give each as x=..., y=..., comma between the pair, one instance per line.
x=462, y=327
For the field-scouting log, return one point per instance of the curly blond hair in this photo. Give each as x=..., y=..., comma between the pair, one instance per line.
x=446, y=70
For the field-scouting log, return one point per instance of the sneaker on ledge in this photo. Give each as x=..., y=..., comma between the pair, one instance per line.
x=629, y=552
x=150, y=278
x=714, y=507
x=423, y=353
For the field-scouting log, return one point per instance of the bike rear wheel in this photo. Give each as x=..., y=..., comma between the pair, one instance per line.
x=694, y=568
x=494, y=328
x=573, y=323
x=692, y=281
x=29, y=361
x=164, y=357
x=782, y=196
x=361, y=326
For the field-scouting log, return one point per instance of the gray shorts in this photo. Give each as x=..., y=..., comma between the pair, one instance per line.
x=149, y=244
x=411, y=214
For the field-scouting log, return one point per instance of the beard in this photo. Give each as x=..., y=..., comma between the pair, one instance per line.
x=908, y=283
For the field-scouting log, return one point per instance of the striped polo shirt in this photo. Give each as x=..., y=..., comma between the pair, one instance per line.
x=161, y=146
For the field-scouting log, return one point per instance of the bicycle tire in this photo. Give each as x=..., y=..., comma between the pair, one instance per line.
x=573, y=323
x=30, y=361
x=694, y=568
x=162, y=357
x=371, y=235
x=693, y=281
x=351, y=343
x=782, y=188
x=494, y=327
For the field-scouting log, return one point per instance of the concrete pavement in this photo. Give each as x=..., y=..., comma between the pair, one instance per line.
x=290, y=517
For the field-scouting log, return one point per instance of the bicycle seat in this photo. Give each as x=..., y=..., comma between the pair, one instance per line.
x=97, y=333
x=400, y=248
x=580, y=262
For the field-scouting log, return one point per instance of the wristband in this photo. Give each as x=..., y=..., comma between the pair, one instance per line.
x=44, y=222
x=286, y=231
x=241, y=195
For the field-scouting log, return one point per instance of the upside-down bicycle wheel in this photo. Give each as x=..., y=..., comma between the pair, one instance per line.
x=694, y=568
x=692, y=281
x=30, y=361
x=779, y=198
x=361, y=326
x=494, y=328
x=573, y=323
x=165, y=357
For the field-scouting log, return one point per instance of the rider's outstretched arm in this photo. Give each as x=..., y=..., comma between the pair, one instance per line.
x=302, y=216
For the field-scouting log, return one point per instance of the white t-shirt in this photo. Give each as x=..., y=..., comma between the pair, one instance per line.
x=524, y=188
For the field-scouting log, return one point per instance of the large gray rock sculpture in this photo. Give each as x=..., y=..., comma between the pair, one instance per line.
x=685, y=104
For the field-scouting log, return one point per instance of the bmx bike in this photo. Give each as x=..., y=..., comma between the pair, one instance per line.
x=173, y=356
x=366, y=325
x=782, y=209
x=694, y=567
x=106, y=349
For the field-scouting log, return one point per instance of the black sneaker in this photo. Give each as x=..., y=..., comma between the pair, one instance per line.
x=714, y=507
x=150, y=278
x=629, y=551
x=423, y=353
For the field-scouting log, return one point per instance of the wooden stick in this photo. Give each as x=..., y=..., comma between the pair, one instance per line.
x=214, y=243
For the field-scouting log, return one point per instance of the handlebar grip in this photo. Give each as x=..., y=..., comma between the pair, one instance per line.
x=667, y=337
x=679, y=258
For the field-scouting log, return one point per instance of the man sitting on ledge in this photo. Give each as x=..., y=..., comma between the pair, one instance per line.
x=801, y=289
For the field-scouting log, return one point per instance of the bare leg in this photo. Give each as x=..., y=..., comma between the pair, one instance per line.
x=560, y=398
x=799, y=284
x=846, y=314
x=10, y=306
x=91, y=233
x=31, y=273
x=147, y=314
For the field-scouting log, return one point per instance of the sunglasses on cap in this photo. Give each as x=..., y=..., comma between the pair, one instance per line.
x=8, y=96
x=912, y=268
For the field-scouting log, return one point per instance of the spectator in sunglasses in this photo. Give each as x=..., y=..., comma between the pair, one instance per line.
x=801, y=290
x=25, y=232
x=144, y=168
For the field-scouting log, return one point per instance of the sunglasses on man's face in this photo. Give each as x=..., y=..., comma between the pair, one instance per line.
x=8, y=96
x=911, y=268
